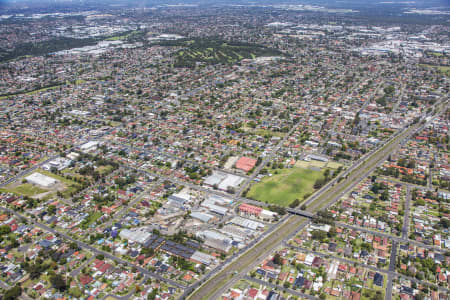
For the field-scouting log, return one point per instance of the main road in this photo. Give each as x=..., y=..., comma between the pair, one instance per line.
x=229, y=275
x=93, y=249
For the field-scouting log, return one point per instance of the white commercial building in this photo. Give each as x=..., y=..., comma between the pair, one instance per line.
x=223, y=180
x=203, y=258
x=40, y=179
x=89, y=146
x=137, y=236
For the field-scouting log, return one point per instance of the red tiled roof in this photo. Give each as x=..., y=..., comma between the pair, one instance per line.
x=245, y=163
x=250, y=209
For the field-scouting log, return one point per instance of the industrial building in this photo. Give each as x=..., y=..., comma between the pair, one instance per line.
x=42, y=180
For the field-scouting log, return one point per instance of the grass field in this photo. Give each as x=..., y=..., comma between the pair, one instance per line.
x=70, y=185
x=443, y=69
x=317, y=164
x=93, y=217
x=264, y=132
x=104, y=169
x=25, y=189
x=285, y=187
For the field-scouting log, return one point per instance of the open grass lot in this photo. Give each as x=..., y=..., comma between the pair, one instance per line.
x=25, y=189
x=317, y=164
x=70, y=185
x=443, y=69
x=263, y=132
x=286, y=186
x=333, y=165
x=93, y=217
x=104, y=169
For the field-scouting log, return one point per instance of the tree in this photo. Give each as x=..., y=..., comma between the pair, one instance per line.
x=100, y=257
x=73, y=246
x=411, y=164
x=231, y=190
x=13, y=293
x=319, y=183
x=294, y=203
x=51, y=209
x=75, y=292
x=378, y=296
x=152, y=295
x=34, y=270
x=318, y=235
x=58, y=282
x=277, y=259
x=4, y=229
x=332, y=233
x=385, y=195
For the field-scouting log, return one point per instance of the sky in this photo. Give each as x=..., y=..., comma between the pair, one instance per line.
x=420, y=3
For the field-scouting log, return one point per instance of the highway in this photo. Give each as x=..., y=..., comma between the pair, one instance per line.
x=215, y=283
x=214, y=287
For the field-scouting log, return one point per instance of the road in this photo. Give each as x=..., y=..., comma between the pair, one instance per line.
x=4, y=285
x=348, y=171
x=175, y=157
x=77, y=271
x=397, y=181
x=124, y=209
x=195, y=187
x=266, y=160
x=341, y=259
x=230, y=260
x=214, y=287
x=27, y=171
x=405, y=228
x=94, y=250
x=395, y=238
x=210, y=289
x=241, y=266
x=392, y=263
x=277, y=287
x=37, y=166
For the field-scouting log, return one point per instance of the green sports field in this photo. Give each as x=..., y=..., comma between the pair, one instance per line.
x=286, y=186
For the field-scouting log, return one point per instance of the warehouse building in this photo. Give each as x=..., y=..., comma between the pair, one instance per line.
x=42, y=180
x=138, y=236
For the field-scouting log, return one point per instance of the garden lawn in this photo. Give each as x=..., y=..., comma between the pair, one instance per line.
x=91, y=219
x=286, y=186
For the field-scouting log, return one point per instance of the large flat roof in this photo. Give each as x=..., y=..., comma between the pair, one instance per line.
x=40, y=179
